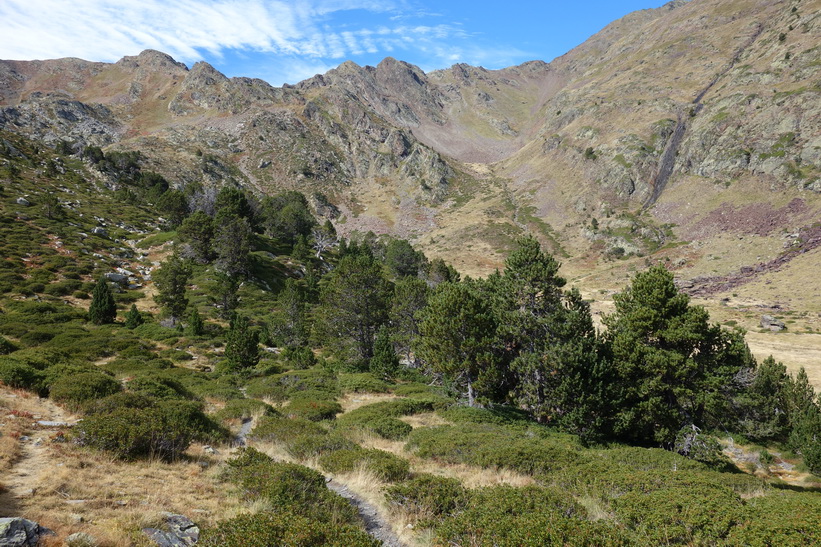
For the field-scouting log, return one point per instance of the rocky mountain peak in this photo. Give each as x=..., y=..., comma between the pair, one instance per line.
x=151, y=58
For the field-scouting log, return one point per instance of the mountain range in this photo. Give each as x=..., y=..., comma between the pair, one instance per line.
x=689, y=134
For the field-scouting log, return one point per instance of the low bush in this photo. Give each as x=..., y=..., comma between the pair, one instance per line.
x=301, y=489
x=507, y=516
x=312, y=446
x=38, y=336
x=413, y=388
x=283, y=528
x=7, y=347
x=14, y=373
x=363, y=382
x=780, y=518
x=299, y=358
x=496, y=416
x=486, y=445
x=76, y=389
x=137, y=426
x=428, y=498
x=389, y=428
x=396, y=408
x=312, y=410
x=680, y=512
x=280, y=387
x=284, y=430
x=221, y=389
x=244, y=409
x=384, y=465
x=159, y=387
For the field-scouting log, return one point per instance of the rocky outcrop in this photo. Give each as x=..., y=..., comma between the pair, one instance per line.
x=771, y=323
x=176, y=531
x=20, y=532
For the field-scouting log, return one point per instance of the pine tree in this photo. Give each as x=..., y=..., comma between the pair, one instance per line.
x=195, y=323
x=384, y=363
x=353, y=304
x=103, y=309
x=458, y=334
x=171, y=280
x=670, y=365
x=241, y=346
x=133, y=318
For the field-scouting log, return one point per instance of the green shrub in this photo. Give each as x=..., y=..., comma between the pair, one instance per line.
x=16, y=374
x=507, y=516
x=399, y=407
x=283, y=528
x=6, y=347
x=159, y=387
x=311, y=446
x=76, y=389
x=389, y=428
x=284, y=430
x=407, y=390
x=312, y=410
x=363, y=382
x=486, y=445
x=428, y=497
x=781, y=518
x=497, y=416
x=299, y=357
x=384, y=465
x=682, y=511
x=163, y=429
x=38, y=336
x=301, y=489
x=221, y=389
x=267, y=387
x=244, y=409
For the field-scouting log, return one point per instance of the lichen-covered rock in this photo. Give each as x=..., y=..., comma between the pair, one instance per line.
x=177, y=531
x=20, y=532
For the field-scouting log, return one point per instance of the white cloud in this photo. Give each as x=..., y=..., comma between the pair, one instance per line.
x=306, y=36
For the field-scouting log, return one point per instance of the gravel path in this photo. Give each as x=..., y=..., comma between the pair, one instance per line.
x=375, y=524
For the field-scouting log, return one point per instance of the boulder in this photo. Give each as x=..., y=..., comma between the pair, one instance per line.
x=117, y=278
x=770, y=322
x=100, y=231
x=177, y=531
x=20, y=532
x=23, y=201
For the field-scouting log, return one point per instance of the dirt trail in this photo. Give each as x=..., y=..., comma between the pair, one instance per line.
x=375, y=524
x=34, y=463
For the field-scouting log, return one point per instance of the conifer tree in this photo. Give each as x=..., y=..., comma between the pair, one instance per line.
x=171, y=280
x=670, y=365
x=133, y=318
x=384, y=363
x=103, y=309
x=458, y=334
x=195, y=323
x=241, y=346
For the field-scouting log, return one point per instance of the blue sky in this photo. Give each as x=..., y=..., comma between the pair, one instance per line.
x=288, y=41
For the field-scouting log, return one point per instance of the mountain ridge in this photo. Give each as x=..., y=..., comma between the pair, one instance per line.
x=659, y=98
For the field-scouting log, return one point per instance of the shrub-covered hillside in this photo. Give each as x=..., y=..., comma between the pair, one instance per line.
x=213, y=352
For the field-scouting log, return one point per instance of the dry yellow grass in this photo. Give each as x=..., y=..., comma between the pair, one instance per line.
x=352, y=401
x=71, y=489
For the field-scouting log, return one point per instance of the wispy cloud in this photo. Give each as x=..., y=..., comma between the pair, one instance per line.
x=306, y=35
